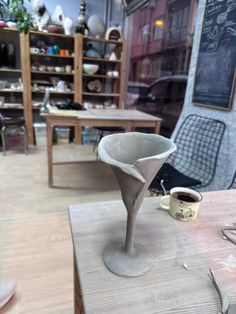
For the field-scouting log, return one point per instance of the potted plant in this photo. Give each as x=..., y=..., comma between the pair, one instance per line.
x=17, y=12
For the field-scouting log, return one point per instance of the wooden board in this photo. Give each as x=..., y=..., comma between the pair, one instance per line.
x=168, y=287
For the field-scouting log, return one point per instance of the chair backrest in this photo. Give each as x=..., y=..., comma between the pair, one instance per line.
x=233, y=183
x=198, y=142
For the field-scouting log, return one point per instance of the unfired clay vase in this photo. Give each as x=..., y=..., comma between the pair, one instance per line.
x=135, y=159
x=96, y=26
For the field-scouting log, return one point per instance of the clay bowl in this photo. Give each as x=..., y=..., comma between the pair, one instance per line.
x=90, y=68
x=50, y=68
x=57, y=29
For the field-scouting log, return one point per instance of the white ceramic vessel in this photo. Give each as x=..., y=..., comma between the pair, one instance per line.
x=96, y=26
x=90, y=68
x=68, y=26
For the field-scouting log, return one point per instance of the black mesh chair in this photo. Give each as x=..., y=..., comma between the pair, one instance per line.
x=233, y=183
x=198, y=142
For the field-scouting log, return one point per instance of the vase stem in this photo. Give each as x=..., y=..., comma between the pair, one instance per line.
x=130, y=233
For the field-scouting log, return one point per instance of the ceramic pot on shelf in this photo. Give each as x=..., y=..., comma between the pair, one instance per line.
x=61, y=86
x=68, y=26
x=92, y=52
x=81, y=26
x=96, y=26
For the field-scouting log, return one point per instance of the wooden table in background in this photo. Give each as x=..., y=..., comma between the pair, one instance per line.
x=129, y=119
x=169, y=287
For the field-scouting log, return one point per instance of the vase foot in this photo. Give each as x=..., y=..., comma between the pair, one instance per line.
x=122, y=264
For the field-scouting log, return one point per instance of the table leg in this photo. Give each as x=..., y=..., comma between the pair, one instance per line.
x=78, y=135
x=78, y=304
x=157, y=127
x=50, y=153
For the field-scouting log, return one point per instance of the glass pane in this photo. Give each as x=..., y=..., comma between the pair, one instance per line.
x=160, y=38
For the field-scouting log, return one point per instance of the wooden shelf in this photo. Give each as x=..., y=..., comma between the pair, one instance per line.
x=52, y=92
x=103, y=41
x=50, y=55
x=7, y=90
x=51, y=34
x=8, y=29
x=51, y=73
x=101, y=60
x=13, y=106
x=101, y=76
x=11, y=70
x=102, y=94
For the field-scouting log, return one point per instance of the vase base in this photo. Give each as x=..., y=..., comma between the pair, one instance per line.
x=122, y=264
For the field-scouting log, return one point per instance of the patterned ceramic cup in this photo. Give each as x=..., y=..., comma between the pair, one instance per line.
x=182, y=203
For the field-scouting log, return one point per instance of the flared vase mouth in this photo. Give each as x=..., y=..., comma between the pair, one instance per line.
x=126, y=149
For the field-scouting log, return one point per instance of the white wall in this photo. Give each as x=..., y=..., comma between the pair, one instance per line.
x=227, y=156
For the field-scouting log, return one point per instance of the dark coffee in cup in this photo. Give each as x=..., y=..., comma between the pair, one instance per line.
x=185, y=197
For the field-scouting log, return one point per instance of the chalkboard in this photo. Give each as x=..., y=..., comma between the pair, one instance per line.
x=215, y=73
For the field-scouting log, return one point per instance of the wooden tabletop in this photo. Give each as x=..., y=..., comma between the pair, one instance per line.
x=178, y=282
x=129, y=120
x=116, y=114
x=111, y=114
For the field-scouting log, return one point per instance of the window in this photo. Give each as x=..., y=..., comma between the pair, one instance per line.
x=159, y=57
x=158, y=28
x=144, y=68
x=144, y=34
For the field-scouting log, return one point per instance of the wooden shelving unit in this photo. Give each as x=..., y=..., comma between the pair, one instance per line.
x=77, y=78
x=116, y=84
x=11, y=96
x=35, y=77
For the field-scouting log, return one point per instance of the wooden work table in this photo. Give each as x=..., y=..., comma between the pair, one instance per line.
x=178, y=282
x=129, y=119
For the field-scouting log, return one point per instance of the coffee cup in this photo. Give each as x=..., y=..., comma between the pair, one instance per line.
x=34, y=50
x=60, y=69
x=56, y=49
x=68, y=68
x=182, y=203
x=50, y=50
x=61, y=86
x=62, y=52
x=42, y=68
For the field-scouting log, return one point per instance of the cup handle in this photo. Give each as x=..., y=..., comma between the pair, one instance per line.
x=165, y=202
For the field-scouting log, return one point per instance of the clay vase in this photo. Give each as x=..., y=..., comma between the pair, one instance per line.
x=92, y=52
x=68, y=26
x=58, y=16
x=96, y=26
x=135, y=159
